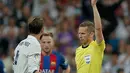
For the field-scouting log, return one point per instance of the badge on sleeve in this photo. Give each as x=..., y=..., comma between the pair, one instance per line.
x=87, y=59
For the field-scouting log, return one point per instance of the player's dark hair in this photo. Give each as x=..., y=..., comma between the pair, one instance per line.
x=88, y=24
x=46, y=34
x=35, y=25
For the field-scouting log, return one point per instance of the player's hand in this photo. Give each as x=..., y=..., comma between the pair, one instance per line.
x=93, y=2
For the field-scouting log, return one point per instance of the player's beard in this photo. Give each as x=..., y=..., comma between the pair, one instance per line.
x=47, y=52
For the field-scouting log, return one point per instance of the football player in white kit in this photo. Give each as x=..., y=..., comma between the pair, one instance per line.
x=27, y=53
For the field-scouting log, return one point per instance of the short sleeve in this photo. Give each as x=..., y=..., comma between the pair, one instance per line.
x=101, y=46
x=63, y=62
x=34, y=57
x=33, y=62
x=33, y=49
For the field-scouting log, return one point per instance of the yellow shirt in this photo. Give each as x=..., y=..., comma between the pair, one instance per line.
x=89, y=59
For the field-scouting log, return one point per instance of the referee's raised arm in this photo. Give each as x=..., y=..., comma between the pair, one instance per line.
x=97, y=22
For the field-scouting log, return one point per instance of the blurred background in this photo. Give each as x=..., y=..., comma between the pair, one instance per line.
x=62, y=18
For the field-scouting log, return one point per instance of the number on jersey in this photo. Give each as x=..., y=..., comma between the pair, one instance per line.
x=16, y=58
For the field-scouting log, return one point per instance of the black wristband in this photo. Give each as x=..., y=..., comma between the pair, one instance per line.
x=34, y=71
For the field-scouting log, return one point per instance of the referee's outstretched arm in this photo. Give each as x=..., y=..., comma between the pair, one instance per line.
x=97, y=22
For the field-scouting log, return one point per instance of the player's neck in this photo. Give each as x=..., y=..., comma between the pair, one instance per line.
x=46, y=54
x=37, y=36
x=86, y=44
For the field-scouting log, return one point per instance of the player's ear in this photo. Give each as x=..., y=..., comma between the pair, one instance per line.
x=42, y=30
x=91, y=34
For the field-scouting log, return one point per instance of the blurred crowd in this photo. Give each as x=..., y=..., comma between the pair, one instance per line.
x=62, y=18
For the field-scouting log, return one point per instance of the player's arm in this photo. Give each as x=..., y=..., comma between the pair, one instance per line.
x=33, y=59
x=64, y=65
x=33, y=65
x=97, y=22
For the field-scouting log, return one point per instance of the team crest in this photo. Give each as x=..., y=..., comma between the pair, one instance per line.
x=87, y=59
x=53, y=63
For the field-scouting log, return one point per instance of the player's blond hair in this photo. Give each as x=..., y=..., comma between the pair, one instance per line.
x=46, y=34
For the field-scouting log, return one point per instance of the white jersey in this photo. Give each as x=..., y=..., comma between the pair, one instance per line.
x=27, y=56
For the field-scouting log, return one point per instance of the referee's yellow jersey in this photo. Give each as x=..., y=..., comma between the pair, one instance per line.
x=89, y=59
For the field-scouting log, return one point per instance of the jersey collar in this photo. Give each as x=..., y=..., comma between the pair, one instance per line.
x=87, y=45
x=34, y=38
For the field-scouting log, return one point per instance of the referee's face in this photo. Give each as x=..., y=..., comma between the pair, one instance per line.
x=47, y=44
x=83, y=35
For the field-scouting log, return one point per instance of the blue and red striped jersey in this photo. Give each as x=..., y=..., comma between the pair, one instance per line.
x=52, y=63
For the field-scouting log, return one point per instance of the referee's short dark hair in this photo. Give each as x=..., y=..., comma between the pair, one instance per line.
x=35, y=25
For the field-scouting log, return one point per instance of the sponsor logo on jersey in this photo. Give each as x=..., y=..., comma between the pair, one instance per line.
x=53, y=63
x=48, y=71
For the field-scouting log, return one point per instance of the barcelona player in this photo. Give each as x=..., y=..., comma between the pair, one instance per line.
x=90, y=54
x=51, y=61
